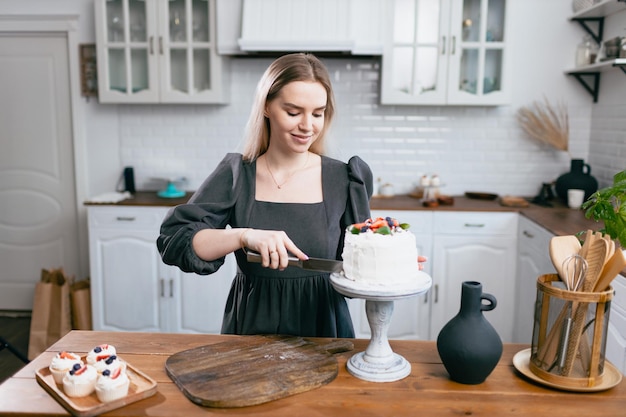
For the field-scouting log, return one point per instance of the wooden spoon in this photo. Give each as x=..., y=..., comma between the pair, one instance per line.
x=562, y=247
x=611, y=269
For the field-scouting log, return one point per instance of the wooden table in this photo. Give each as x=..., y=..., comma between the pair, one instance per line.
x=427, y=391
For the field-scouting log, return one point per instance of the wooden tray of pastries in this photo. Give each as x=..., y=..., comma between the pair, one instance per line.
x=141, y=386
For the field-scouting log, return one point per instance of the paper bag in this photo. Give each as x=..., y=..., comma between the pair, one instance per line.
x=51, y=316
x=80, y=295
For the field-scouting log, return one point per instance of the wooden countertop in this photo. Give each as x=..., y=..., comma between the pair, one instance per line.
x=427, y=391
x=559, y=219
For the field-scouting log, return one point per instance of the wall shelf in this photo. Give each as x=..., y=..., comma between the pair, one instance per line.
x=593, y=71
x=601, y=9
x=589, y=75
x=599, y=29
x=600, y=66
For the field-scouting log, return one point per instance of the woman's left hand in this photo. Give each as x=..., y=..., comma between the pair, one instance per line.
x=420, y=261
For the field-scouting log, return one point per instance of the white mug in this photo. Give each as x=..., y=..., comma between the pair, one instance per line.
x=575, y=198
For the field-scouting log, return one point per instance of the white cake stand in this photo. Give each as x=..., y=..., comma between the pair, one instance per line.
x=379, y=363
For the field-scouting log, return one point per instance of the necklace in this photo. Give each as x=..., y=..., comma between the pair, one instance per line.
x=280, y=185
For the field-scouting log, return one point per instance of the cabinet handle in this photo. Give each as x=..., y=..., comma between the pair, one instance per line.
x=443, y=45
x=436, y=293
x=162, y=282
x=453, y=47
x=125, y=218
x=161, y=45
x=474, y=225
x=171, y=288
x=151, y=45
x=528, y=234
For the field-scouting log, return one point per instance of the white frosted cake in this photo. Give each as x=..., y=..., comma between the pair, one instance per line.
x=380, y=251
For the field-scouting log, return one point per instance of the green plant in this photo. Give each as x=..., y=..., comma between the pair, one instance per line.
x=609, y=206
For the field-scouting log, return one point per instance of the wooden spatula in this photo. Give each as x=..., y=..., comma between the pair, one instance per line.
x=614, y=266
x=562, y=247
x=595, y=262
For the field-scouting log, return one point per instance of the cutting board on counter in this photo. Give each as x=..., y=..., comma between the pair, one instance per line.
x=253, y=370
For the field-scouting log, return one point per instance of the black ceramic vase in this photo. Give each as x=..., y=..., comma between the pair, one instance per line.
x=579, y=177
x=468, y=345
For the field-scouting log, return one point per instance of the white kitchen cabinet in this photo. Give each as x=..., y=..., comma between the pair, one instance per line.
x=158, y=51
x=445, y=52
x=411, y=316
x=474, y=246
x=133, y=290
x=533, y=261
x=616, y=337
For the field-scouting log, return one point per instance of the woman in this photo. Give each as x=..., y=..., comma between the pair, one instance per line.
x=281, y=197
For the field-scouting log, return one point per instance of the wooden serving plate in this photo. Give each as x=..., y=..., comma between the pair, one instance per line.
x=141, y=386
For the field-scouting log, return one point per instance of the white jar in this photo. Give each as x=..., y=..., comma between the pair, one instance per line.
x=586, y=52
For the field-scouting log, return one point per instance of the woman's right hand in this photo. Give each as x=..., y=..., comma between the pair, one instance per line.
x=274, y=246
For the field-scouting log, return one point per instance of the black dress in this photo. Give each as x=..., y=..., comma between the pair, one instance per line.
x=263, y=300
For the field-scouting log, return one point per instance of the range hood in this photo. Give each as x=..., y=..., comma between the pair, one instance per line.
x=339, y=26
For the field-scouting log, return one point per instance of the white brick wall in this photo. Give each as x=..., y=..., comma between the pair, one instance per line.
x=607, y=151
x=470, y=148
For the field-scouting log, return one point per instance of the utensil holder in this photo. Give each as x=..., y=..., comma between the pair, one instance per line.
x=569, y=334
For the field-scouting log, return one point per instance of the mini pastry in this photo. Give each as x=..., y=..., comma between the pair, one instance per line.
x=100, y=352
x=112, y=385
x=62, y=363
x=112, y=363
x=80, y=381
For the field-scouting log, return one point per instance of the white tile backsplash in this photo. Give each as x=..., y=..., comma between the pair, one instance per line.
x=470, y=148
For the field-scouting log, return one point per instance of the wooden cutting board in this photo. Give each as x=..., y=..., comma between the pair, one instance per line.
x=253, y=369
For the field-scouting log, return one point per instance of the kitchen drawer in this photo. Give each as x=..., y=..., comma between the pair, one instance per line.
x=475, y=223
x=137, y=218
x=534, y=236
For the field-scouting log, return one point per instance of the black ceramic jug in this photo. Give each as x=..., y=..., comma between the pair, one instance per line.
x=468, y=345
x=579, y=177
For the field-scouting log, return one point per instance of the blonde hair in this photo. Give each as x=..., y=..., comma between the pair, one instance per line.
x=284, y=70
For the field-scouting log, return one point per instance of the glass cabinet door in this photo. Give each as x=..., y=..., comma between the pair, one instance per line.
x=476, y=67
x=128, y=51
x=159, y=51
x=415, y=64
x=444, y=52
x=188, y=50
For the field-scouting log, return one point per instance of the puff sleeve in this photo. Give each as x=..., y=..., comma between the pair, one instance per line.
x=210, y=207
x=361, y=188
